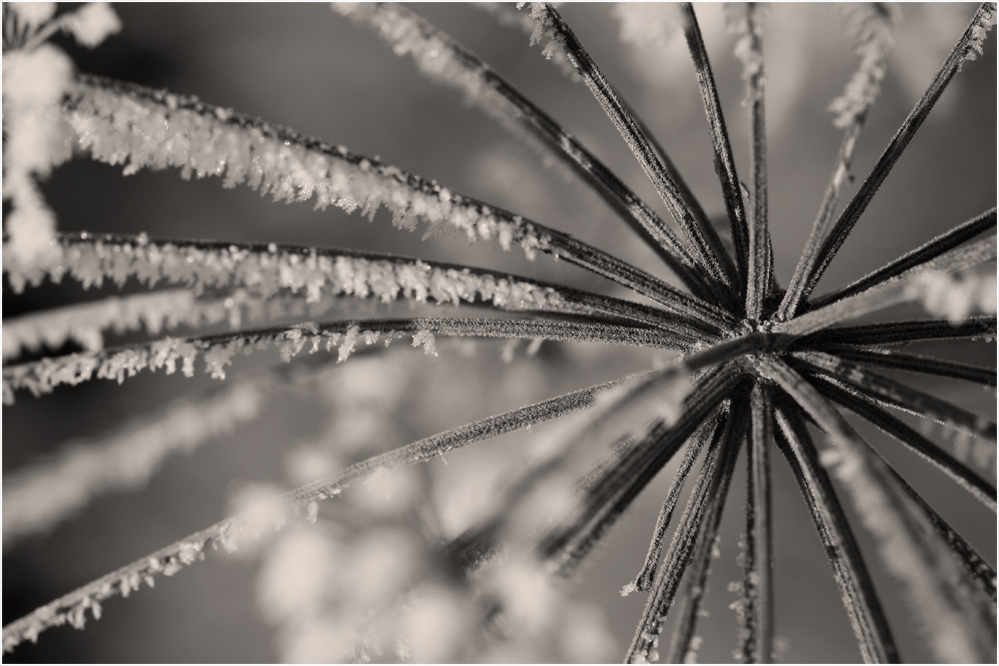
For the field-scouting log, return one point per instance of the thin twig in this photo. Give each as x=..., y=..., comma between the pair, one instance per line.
x=867, y=617
x=441, y=58
x=924, y=253
x=895, y=392
x=904, y=332
x=633, y=135
x=814, y=264
x=899, y=289
x=758, y=566
x=706, y=499
x=867, y=408
x=643, y=582
x=724, y=160
x=909, y=546
x=890, y=358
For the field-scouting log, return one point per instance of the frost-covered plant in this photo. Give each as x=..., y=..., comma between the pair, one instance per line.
x=759, y=366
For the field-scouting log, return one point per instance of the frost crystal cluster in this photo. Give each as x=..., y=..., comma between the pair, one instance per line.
x=373, y=557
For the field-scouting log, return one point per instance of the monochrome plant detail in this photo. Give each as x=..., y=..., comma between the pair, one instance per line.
x=760, y=367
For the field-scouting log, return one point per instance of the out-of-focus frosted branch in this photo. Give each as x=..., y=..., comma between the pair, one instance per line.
x=906, y=542
x=72, y=608
x=85, y=323
x=37, y=497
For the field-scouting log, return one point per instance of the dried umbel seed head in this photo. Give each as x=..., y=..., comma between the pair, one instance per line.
x=361, y=561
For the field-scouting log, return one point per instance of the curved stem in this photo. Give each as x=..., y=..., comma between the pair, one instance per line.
x=119, y=122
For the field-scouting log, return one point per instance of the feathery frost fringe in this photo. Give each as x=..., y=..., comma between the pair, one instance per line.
x=871, y=25
x=120, y=123
x=43, y=376
x=38, y=497
x=980, y=31
x=84, y=324
x=230, y=533
x=91, y=259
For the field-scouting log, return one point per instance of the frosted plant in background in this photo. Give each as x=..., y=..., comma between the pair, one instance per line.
x=368, y=558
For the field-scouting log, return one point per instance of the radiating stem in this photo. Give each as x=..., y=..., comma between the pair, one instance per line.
x=907, y=543
x=643, y=582
x=913, y=363
x=867, y=408
x=707, y=251
x=706, y=501
x=758, y=579
x=896, y=392
x=923, y=254
x=867, y=617
x=724, y=160
x=905, y=287
x=760, y=265
x=442, y=59
x=814, y=264
x=903, y=332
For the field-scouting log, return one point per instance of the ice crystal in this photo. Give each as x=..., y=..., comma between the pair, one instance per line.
x=37, y=497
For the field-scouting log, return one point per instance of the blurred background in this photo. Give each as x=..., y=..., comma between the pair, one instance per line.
x=305, y=66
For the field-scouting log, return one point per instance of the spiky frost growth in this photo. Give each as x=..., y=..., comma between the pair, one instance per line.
x=142, y=128
x=268, y=270
x=508, y=14
x=872, y=26
x=40, y=496
x=743, y=357
x=980, y=31
x=217, y=351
